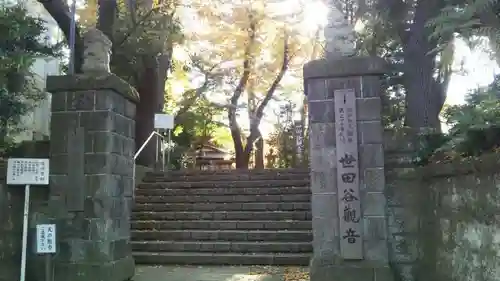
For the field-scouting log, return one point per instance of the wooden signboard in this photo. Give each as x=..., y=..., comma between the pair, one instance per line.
x=351, y=238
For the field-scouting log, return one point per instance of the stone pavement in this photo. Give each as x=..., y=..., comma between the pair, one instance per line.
x=208, y=273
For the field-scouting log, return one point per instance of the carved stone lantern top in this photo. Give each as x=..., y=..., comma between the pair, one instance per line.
x=97, y=52
x=339, y=35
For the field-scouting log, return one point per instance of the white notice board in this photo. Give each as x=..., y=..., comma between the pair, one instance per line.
x=45, y=238
x=32, y=171
x=164, y=121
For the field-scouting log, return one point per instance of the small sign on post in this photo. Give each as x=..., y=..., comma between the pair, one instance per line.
x=27, y=171
x=46, y=245
x=164, y=121
x=351, y=238
x=46, y=239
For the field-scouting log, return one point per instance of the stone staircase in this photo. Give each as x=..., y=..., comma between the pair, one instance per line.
x=223, y=218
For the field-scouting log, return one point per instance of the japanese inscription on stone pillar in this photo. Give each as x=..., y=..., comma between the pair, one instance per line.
x=299, y=139
x=350, y=222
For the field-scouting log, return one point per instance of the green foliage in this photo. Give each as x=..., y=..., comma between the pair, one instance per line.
x=20, y=44
x=474, y=127
x=154, y=31
x=379, y=38
x=460, y=17
x=199, y=125
x=283, y=143
x=283, y=148
x=468, y=19
x=21, y=39
x=143, y=34
x=429, y=145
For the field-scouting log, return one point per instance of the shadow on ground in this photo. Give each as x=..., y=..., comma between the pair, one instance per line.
x=208, y=273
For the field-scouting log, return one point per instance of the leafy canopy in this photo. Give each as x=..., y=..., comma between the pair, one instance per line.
x=20, y=44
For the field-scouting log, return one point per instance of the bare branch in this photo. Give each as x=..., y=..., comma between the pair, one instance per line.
x=135, y=26
x=222, y=105
x=257, y=117
x=270, y=92
x=195, y=94
x=247, y=61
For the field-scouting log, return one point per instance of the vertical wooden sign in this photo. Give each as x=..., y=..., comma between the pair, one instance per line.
x=299, y=140
x=350, y=220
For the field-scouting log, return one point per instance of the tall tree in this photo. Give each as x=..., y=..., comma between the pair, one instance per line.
x=143, y=35
x=258, y=47
x=399, y=31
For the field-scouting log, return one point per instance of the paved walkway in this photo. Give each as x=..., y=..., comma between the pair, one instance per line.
x=208, y=273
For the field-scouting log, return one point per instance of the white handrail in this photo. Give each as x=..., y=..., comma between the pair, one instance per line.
x=146, y=143
x=153, y=133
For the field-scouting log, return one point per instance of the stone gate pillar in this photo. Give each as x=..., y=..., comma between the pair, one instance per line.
x=91, y=161
x=347, y=245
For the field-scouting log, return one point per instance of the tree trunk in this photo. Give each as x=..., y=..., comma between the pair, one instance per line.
x=243, y=153
x=240, y=161
x=152, y=80
x=259, y=153
x=164, y=61
x=148, y=92
x=106, y=17
x=423, y=103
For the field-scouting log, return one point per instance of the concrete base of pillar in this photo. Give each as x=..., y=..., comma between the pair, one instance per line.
x=322, y=270
x=123, y=269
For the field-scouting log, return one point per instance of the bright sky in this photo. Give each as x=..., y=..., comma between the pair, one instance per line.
x=479, y=67
x=479, y=71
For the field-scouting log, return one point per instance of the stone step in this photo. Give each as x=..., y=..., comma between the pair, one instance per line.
x=224, y=215
x=230, y=171
x=222, y=235
x=199, y=258
x=222, y=246
x=226, y=184
x=192, y=172
x=226, y=177
x=222, y=225
x=261, y=206
x=224, y=198
x=282, y=190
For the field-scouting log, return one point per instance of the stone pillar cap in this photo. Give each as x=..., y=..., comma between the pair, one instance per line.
x=345, y=67
x=95, y=34
x=86, y=82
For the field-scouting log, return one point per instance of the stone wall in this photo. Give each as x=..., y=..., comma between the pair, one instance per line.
x=11, y=221
x=444, y=221
x=11, y=203
x=11, y=210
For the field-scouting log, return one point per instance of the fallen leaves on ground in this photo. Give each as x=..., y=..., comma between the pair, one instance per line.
x=289, y=273
x=265, y=270
x=296, y=274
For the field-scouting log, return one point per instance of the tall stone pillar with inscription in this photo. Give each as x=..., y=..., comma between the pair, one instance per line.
x=91, y=160
x=347, y=161
x=347, y=170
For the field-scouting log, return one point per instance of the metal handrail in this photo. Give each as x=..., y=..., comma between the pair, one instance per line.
x=153, y=133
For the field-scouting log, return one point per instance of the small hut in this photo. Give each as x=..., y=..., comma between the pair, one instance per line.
x=210, y=157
